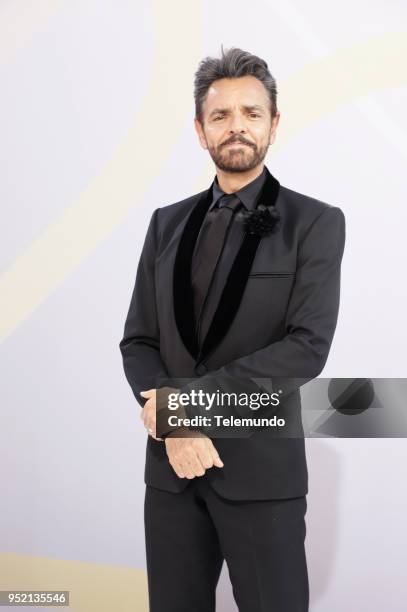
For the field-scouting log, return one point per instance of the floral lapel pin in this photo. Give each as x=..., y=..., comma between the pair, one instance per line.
x=261, y=221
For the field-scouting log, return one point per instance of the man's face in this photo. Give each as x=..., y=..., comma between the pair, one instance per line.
x=237, y=127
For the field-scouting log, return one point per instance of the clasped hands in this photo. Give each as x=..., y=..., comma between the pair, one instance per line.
x=190, y=453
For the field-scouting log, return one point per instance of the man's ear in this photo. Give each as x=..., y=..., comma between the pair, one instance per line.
x=200, y=132
x=273, y=130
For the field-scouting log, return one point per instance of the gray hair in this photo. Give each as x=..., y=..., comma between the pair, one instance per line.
x=232, y=64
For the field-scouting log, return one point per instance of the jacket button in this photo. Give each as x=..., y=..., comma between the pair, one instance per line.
x=201, y=369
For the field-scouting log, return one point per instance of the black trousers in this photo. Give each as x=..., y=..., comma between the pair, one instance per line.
x=190, y=534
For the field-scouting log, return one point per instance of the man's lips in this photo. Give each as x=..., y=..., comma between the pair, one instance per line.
x=237, y=144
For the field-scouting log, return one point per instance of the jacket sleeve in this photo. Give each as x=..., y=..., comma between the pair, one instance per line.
x=310, y=322
x=140, y=345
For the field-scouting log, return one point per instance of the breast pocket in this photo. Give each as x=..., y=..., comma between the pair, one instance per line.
x=267, y=295
x=261, y=316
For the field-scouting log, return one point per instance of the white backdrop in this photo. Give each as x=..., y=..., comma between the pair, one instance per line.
x=97, y=131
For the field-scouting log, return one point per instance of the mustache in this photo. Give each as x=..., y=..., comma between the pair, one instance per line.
x=239, y=139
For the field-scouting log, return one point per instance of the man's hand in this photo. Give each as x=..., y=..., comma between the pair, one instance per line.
x=191, y=456
x=149, y=412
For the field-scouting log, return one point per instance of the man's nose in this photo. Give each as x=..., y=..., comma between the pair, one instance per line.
x=237, y=124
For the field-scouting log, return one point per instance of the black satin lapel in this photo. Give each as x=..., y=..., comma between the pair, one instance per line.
x=182, y=287
x=235, y=284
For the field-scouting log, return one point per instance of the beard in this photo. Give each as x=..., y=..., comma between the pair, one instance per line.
x=239, y=159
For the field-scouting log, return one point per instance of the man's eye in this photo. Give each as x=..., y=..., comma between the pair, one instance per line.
x=218, y=117
x=254, y=115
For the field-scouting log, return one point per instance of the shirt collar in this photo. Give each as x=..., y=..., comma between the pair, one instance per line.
x=247, y=194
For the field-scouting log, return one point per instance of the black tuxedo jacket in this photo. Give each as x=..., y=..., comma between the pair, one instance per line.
x=276, y=318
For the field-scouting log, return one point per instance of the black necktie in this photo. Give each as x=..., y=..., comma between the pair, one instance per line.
x=210, y=245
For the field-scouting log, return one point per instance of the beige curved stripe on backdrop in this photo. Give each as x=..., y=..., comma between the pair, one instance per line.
x=94, y=587
x=346, y=74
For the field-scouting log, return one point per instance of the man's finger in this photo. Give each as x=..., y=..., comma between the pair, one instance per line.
x=205, y=458
x=192, y=466
x=183, y=469
x=197, y=467
x=217, y=461
x=177, y=469
x=154, y=436
x=147, y=393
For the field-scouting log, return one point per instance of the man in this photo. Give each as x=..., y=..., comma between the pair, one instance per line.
x=242, y=281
